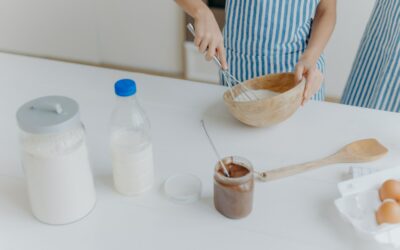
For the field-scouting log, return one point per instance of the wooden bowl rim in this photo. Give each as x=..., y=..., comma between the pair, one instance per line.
x=229, y=99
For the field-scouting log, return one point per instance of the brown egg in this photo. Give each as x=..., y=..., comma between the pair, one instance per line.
x=388, y=212
x=390, y=189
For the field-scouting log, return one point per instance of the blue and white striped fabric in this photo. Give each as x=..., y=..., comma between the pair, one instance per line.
x=268, y=36
x=374, y=81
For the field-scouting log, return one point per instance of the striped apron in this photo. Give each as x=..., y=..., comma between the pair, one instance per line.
x=374, y=81
x=268, y=36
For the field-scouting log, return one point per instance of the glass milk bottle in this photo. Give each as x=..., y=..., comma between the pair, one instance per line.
x=55, y=160
x=130, y=142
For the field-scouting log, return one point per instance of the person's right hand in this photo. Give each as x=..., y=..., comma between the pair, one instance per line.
x=208, y=38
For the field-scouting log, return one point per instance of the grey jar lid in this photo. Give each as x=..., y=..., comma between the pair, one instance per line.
x=49, y=114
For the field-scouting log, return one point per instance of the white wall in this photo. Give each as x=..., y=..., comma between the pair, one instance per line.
x=352, y=18
x=144, y=35
x=55, y=28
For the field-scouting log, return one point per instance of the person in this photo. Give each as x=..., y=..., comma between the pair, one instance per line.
x=374, y=81
x=268, y=36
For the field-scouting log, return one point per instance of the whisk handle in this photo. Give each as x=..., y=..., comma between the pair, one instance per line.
x=191, y=29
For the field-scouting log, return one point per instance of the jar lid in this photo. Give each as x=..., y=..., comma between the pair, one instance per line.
x=48, y=114
x=183, y=188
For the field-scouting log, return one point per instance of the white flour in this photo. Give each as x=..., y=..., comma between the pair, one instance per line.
x=132, y=162
x=259, y=93
x=59, y=179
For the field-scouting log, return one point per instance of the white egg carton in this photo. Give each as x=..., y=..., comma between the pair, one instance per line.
x=359, y=202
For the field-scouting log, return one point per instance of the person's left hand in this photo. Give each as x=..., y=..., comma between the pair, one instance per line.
x=313, y=76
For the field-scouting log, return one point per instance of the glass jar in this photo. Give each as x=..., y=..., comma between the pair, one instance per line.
x=233, y=196
x=55, y=160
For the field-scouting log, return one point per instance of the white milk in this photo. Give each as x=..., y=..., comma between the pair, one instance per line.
x=132, y=162
x=259, y=93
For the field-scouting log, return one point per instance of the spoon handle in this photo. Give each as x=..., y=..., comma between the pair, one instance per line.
x=221, y=163
x=278, y=173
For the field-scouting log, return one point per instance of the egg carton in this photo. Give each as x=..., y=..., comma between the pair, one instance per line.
x=359, y=202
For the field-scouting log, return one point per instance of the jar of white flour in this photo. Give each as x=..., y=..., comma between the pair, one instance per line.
x=55, y=160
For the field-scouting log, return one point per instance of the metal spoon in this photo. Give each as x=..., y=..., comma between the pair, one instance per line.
x=215, y=150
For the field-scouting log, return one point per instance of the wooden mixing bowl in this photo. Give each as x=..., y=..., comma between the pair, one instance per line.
x=268, y=111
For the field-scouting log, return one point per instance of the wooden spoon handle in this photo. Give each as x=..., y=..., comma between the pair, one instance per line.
x=293, y=169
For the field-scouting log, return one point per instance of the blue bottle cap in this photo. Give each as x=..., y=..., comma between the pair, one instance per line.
x=125, y=87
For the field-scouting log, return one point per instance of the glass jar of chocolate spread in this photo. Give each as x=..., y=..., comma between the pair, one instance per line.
x=233, y=195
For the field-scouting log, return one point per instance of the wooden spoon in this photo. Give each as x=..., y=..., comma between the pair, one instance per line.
x=359, y=151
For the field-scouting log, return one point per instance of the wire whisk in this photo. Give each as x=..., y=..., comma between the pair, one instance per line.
x=245, y=94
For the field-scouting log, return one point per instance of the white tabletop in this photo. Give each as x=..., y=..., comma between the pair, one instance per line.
x=292, y=213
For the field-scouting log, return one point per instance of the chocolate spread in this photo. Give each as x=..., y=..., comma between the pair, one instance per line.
x=233, y=195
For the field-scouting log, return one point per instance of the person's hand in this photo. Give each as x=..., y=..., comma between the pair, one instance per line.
x=308, y=70
x=208, y=38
